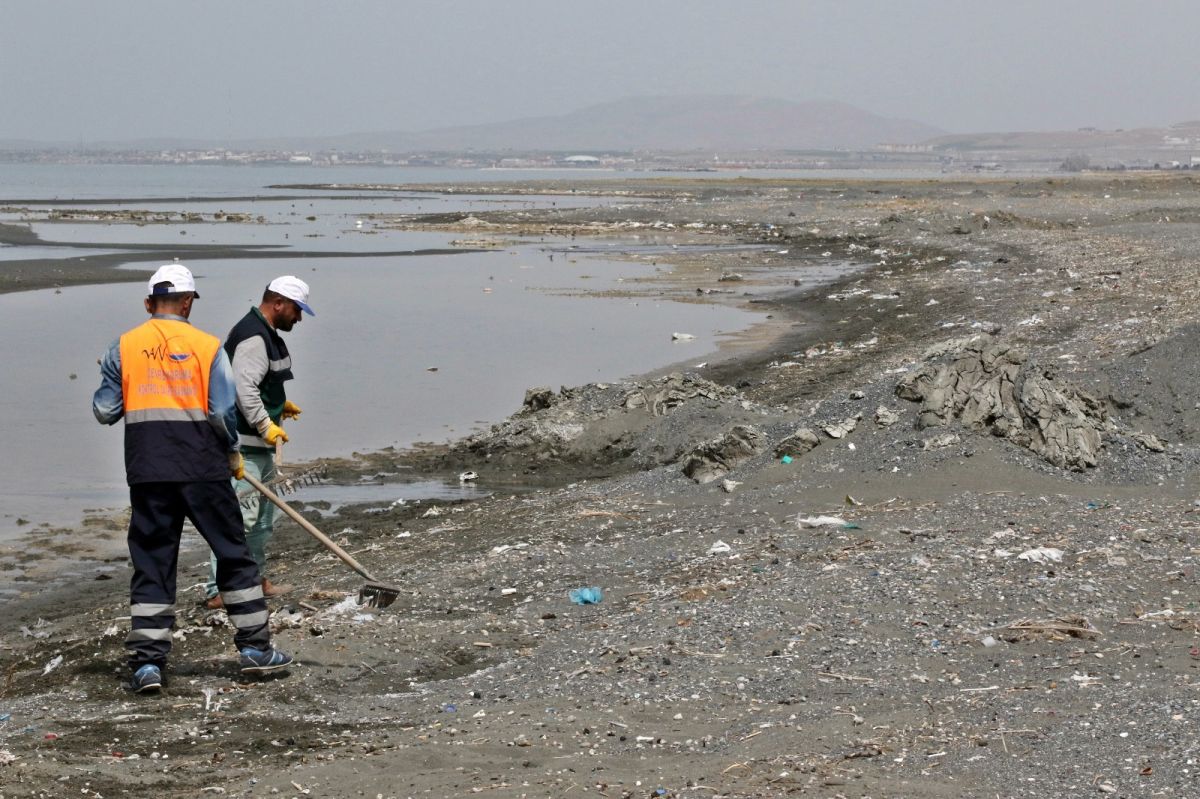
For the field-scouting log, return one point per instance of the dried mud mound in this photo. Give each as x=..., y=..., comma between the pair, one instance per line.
x=642, y=424
x=987, y=385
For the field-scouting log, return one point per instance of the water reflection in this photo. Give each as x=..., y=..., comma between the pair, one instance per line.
x=403, y=349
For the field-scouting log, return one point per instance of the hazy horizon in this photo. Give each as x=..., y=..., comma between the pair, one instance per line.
x=232, y=71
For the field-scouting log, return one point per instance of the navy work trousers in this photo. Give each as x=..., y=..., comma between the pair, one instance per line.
x=154, y=532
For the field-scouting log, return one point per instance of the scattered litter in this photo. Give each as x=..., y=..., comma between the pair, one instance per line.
x=586, y=596
x=54, y=663
x=38, y=631
x=786, y=459
x=719, y=548
x=467, y=477
x=682, y=337
x=1042, y=555
x=1058, y=629
x=823, y=521
x=6, y=757
x=729, y=486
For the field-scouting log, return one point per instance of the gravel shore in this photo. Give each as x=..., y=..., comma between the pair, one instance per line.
x=872, y=593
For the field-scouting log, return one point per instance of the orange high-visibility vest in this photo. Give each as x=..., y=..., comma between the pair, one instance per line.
x=165, y=369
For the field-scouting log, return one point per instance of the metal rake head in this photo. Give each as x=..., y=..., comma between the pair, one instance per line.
x=284, y=484
x=377, y=595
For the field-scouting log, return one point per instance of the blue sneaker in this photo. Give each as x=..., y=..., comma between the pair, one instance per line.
x=260, y=661
x=147, y=679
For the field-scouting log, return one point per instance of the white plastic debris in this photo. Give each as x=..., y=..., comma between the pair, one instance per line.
x=822, y=521
x=682, y=337
x=467, y=477
x=54, y=663
x=432, y=513
x=347, y=605
x=719, y=548
x=6, y=757
x=1042, y=555
x=729, y=486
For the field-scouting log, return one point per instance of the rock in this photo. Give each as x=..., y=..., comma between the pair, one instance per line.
x=886, y=417
x=798, y=443
x=538, y=398
x=994, y=387
x=842, y=428
x=1149, y=441
x=940, y=441
x=716, y=458
x=674, y=390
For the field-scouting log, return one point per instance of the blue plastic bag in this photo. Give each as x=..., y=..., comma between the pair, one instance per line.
x=586, y=596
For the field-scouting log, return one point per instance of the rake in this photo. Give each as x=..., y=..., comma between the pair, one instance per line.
x=285, y=483
x=374, y=594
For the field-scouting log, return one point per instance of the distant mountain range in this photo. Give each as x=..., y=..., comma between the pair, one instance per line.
x=706, y=122
x=697, y=124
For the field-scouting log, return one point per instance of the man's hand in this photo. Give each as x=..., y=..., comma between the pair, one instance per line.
x=274, y=433
x=237, y=465
x=290, y=411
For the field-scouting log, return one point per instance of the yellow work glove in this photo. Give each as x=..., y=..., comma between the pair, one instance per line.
x=237, y=465
x=290, y=411
x=274, y=433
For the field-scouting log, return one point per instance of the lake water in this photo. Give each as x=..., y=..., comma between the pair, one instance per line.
x=403, y=349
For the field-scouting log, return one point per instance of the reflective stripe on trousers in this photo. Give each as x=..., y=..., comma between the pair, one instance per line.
x=159, y=510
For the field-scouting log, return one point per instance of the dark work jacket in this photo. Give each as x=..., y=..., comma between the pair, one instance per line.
x=279, y=370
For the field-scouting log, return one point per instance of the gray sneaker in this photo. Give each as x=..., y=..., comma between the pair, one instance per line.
x=147, y=679
x=260, y=661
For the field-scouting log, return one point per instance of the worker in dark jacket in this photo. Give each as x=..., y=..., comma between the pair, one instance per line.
x=261, y=365
x=173, y=386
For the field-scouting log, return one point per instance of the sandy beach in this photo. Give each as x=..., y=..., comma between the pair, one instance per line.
x=930, y=532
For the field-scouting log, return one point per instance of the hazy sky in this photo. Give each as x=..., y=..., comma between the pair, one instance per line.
x=86, y=70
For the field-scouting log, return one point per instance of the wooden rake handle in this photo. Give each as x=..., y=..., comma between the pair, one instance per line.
x=346, y=557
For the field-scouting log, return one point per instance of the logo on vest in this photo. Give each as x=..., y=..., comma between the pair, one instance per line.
x=161, y=353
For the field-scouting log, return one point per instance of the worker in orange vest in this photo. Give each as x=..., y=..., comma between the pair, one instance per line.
x=173, y=386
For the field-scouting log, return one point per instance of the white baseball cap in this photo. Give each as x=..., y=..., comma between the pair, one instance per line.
x=178, y=278
x=294, y=289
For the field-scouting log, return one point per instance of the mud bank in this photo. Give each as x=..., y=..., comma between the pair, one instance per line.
x=884, y=591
